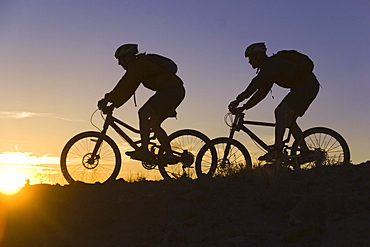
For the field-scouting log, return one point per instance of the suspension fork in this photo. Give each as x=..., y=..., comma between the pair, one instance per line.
x=235, y=126
x=227, y=149
x=94, y=154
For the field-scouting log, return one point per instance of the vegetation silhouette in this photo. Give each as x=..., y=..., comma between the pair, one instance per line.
x=264, y=206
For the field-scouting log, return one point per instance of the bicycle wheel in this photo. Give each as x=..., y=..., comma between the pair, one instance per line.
x=327, y=146
x=76, y=153
x=186, y=143
x=237, y=158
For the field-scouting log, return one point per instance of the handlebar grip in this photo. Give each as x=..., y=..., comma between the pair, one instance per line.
x=107, y=109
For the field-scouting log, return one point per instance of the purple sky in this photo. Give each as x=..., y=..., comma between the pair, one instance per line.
x=57, y=62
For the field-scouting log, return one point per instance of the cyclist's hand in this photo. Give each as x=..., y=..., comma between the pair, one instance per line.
x=105, y=107
x=236, y=110
x=233, y=104
x=102, y=103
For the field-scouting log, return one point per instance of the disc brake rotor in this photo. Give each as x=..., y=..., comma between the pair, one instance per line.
x=90, y=163
x=148, y=166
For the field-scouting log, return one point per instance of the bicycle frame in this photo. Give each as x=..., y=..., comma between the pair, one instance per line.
x=113, y=122
x=240, y=124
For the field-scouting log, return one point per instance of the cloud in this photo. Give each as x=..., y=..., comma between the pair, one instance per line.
x=16, y=115
x=24, y=114
x=28, y=158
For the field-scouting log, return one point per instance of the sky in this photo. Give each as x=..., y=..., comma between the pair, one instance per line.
x=57, y=61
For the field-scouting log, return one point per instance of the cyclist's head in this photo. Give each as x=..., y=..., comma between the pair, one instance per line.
x=127, y=49
x=256, y=54
x=255, y=49
x=125, y=54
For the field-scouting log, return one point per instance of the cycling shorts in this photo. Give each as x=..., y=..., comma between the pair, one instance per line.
x=164, y=102
x=299, y=98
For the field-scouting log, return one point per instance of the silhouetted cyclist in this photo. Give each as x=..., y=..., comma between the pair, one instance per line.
x=291, y=70
x=158, y=74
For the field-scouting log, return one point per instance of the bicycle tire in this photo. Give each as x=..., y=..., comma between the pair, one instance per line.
x=74, y=157
x=333, y=147
x=187, y=140
x=237, y=159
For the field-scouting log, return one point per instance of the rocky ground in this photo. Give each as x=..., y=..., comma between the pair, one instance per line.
x=327, y=206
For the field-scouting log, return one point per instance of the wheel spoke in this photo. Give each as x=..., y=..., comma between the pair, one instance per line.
x=327, y=143
x=77, y=152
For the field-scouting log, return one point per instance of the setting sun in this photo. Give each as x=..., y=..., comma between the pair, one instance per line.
x=11, y=181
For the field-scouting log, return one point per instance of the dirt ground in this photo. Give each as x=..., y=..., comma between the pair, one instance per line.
x=327, y=206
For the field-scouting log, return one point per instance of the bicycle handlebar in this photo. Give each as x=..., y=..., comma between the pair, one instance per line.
x=236, y=110
x=106, y=109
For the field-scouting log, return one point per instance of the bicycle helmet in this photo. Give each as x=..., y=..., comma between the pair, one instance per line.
x=126, y=49
x=255, y=48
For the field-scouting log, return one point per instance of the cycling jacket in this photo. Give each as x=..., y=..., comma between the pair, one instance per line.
x=145, y=71
x=275, y=70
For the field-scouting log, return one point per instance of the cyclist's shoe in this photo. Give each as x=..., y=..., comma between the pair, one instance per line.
x=169, y=159
x=271, y=156
x=317, y=156
x=139, y=154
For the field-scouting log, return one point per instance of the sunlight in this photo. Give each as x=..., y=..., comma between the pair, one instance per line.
x=26, y=158
x=11, y=181
x=34, y=167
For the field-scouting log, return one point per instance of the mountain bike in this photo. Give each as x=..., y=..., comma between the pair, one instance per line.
x=326, y=147
x=93, y=156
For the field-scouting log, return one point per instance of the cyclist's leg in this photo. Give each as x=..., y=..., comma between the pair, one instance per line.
x=158, y=108
x=284, y=116
x=297, y=132
x=160, y=133
x=145, y=114
x=298, y=100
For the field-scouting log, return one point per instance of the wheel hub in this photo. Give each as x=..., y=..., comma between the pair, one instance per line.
x=187, y=159
x=148, y=166
x=320, y=157
x=90, y=162
x=223, y=163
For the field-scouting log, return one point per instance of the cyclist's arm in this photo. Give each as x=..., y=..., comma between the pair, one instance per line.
x=124, y=89
x=258, y=96
x=251, y=89
x=261, y=81
x=127, y=86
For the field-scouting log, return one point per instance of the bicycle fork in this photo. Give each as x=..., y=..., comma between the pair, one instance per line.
x=225, y=159
x=94, y=155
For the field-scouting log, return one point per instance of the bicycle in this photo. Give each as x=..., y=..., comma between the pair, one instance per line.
x=326, y=147
x=93, y=156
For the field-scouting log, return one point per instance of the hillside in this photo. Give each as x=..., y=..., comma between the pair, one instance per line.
x=328, y=206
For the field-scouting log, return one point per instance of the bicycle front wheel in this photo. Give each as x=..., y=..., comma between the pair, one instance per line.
x=77, y=163
x=327, y=146
x=187, y=144
x=234, y=161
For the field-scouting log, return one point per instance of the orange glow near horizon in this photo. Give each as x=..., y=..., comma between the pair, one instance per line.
x=17, y=169
x=11, y=181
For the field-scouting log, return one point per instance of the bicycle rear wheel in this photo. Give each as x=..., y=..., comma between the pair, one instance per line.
x=78, y=151
x=187, y=144
x=237, y=159
x=327, y=146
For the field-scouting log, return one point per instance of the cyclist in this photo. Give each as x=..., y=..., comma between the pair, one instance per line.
x=303, y=86
x=169, y=93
